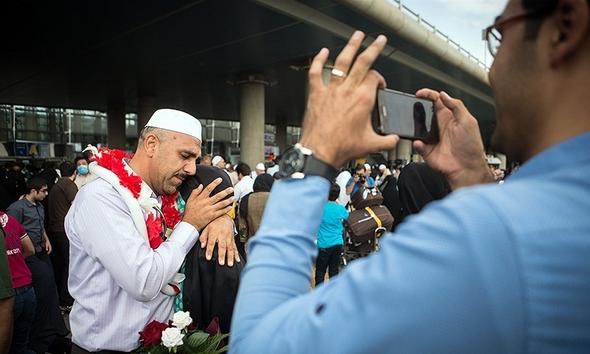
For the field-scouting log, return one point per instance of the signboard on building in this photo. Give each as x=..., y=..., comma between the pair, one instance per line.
x=271, y=150
x=31, y=149
x=269, y=138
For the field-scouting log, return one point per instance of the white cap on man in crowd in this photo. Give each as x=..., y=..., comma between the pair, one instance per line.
x=367, y=167
x=382, y=167
x=493, y=160
x=216, y=159
x=260, y=167
x=176, y=121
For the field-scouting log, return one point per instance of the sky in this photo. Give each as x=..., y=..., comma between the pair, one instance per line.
x=462, y=20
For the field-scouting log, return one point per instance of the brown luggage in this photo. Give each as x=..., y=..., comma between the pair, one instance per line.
x=366, y=197
x=369, y=223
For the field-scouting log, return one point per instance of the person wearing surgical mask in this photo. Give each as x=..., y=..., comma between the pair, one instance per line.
x=84, y=176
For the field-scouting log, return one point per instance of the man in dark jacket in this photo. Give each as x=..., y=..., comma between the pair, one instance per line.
x=60, y=198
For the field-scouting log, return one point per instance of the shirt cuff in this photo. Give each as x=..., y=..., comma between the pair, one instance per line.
x=185, y=234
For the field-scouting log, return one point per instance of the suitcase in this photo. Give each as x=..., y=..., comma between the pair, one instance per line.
x=369, y=223
x=366, y=197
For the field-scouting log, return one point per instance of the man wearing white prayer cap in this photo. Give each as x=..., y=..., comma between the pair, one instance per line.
x=125, y=248
x=260, y=169
x=218, y=161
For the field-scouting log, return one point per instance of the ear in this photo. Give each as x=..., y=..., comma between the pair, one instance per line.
x=572, y=22
x=150, y=144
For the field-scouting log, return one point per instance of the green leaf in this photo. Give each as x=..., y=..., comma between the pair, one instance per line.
x=222, y=350
x=158, y=349
x=212, y=343
x=196, y=339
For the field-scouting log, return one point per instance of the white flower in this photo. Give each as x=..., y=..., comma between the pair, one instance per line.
x=171, y=337
x=181, y=320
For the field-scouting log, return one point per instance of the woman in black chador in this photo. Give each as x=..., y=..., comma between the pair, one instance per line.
x=209, y=289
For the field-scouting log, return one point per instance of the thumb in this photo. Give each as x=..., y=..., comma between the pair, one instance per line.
x=387, y=142
x=420, y=147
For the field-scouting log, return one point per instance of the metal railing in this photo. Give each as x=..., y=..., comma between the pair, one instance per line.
x=436, y=31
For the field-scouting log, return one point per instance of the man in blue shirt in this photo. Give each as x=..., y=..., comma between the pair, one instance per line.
x=488, y=269
x=330, y=237
x=360, y=178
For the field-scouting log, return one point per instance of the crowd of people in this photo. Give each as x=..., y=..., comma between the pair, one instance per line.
x=38, y=253
x=38, y=247
x=472, y=266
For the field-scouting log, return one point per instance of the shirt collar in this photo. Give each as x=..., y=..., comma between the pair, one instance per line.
x=573, y=151
x=29, y=203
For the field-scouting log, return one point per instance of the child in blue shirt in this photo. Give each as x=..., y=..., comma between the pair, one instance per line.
x=330, y=237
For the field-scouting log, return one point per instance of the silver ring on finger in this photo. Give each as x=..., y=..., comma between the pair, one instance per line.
x=338, y=73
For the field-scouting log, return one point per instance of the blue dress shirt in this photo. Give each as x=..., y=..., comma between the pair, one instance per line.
x=489, y=269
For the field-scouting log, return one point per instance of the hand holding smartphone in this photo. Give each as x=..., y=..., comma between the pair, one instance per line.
x=407, y=116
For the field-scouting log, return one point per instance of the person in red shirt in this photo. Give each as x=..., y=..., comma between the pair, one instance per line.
x=18, y=247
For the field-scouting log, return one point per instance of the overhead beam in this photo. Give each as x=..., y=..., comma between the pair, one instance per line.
x=318, y=19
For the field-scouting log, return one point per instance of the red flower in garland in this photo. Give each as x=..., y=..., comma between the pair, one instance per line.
x=111, y=160
x=154, y=230
x=171, y=213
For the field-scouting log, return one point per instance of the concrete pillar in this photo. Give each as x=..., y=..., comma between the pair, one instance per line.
x=98, y=128
x=55, y=134
x=146, y=106
x=404, y=149
x=392, y=155
x=281, y=136
x=252, y=121
x=116, y=125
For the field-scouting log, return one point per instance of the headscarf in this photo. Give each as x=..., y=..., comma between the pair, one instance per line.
x=263, y=183
x=418, y=185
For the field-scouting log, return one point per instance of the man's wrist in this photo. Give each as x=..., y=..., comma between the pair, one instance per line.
x=320, y=152
x=471, y=177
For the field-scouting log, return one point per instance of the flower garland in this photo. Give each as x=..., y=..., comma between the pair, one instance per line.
x=156, y=222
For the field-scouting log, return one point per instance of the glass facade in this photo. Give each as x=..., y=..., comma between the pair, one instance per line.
x=24, y=126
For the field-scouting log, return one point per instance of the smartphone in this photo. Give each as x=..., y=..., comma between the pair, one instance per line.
x=406, y=115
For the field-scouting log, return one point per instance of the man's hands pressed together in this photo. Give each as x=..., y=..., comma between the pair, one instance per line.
x=208, y=214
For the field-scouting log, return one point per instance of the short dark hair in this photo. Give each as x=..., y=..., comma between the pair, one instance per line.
x=143, y=134
x=360, y=167
x=80, y=158
x=48, y=165
x=541, y=8
x=37, y=183
x=67, y=168
x=243, y=169
x=334, y=192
